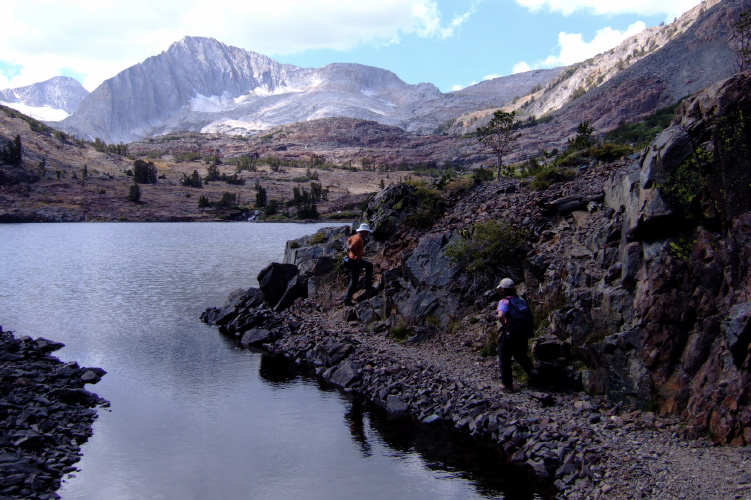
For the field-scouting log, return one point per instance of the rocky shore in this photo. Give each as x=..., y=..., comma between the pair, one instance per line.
x=45, y=416
x=641, y=286
x=587, y=447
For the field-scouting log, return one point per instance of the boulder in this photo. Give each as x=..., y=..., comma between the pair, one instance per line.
x=331, y=354
x=231, y=308
x=428, y=265
x=395, y=405
x=737, y=331
x=257, y=337
x=274, y=281
x=344, y=374
x=297, y=288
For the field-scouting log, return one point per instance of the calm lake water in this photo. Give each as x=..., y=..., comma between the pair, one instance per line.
x=192, y=416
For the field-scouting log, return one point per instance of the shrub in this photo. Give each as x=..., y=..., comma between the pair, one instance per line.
x=549, y=176
x=609, y=151
x=228, y=200
x=317, y=238
x=400, y=331
x=643, y=132
x=487, y=250
x=684, y=186
x=490, y=347
x=428, y=206
x=181, y=157
x=482, y=174
x=458, y=185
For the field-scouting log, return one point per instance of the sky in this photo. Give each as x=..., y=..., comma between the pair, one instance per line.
x=450, y=43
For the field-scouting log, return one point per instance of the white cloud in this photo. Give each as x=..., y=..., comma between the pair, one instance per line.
x=668, y=8
x=99, y=38
x=521, y=67
x=574, y=49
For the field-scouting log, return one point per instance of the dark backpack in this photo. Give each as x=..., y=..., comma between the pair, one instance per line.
x=520, y=320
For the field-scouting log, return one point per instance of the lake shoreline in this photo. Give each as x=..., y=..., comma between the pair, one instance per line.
x=45, y=416
x=585, y=447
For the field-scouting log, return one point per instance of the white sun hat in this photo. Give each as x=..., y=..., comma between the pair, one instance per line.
x=506, y=283
x=364, y=227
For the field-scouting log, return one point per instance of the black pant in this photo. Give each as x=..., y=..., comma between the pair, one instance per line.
x=355, y=266
x=510, y=346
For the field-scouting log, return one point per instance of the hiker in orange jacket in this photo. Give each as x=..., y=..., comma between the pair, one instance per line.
x=356, y=246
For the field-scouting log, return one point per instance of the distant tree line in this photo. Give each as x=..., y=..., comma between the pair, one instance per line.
x=118, y=149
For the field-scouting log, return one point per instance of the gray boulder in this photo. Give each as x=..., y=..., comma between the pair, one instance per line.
x=274, y=281
x=257, y=337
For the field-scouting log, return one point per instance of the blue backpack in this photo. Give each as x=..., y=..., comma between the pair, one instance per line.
x=520, y=320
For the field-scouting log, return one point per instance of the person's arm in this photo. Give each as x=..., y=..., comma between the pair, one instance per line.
x=501, y=312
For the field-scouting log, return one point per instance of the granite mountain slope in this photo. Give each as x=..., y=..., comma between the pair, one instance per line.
x=53, y=99
x=651, y=70
x=200, y=84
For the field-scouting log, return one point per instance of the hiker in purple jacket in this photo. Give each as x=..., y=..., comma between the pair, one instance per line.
x=515, y=329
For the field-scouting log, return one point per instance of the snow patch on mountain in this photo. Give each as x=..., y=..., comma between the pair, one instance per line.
x=42, y=113
x=235, y=127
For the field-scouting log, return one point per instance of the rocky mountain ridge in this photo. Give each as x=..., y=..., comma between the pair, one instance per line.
x=648, y=71
x=50, y=100
x=200, y=84
x=251, y=93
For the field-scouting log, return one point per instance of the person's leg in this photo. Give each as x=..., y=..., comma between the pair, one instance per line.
x=368, y=273
x=504, y=361
x=354, y=277
x=522, y=357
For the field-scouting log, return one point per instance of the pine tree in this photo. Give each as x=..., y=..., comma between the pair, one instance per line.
x=499, y=135
x=134, y=194
x=12, y=153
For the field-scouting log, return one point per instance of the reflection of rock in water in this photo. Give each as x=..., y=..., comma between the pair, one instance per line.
x=444, y=449
x=354, y=417
x=276, y=370
x=441, y=448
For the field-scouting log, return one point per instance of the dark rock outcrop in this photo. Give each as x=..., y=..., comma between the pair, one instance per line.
x=45, y=415
x=671, y=307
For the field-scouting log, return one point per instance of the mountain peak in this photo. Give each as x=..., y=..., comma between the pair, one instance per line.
x=52, y=99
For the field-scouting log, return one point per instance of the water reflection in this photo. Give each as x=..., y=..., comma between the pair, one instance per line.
x=355, y=417
x=438, y=447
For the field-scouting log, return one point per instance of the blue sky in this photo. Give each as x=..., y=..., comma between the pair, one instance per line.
x=449, y=43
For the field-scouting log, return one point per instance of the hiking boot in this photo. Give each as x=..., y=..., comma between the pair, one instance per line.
x=506, y=388
x=348, y=302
